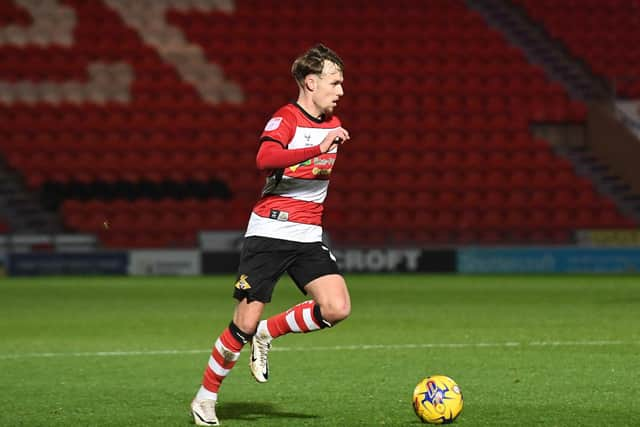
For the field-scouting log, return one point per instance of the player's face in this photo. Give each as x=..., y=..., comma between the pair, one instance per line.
x=329, y=88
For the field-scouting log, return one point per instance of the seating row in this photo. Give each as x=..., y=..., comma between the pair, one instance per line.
x=440, y=106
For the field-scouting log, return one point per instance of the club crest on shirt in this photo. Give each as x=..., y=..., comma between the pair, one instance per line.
x=273, y=124
x=242, y=283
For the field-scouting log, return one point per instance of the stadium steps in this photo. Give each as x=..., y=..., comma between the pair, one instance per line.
x=21, y=209
x=574, y=74
x=603, y=178
x=602, y=33
x=542, y=49
x=568, y=142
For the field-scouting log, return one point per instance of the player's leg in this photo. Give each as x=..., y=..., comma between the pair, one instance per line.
x=224, y=355
x=227, y=347
x=331, y=294
x=329, y=305
x=259, y=269
x=315, y=272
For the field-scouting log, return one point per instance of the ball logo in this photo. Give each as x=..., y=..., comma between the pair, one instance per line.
x=435, y=396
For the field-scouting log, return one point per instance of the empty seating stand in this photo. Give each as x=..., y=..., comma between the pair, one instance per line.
x=438, y=103
x=602, y=33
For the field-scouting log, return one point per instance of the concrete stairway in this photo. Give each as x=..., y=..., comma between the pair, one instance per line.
x=542, y=49
x=575, y=75
x=22, y=210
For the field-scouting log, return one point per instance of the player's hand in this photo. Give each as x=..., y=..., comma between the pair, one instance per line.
x=336, y=136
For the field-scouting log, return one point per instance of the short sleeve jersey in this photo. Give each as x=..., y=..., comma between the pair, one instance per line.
x=291, y=204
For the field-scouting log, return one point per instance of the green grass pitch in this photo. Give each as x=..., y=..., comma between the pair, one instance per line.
x=526, y=351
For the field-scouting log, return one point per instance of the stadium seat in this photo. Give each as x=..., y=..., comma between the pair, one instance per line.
x=439, y=105
x=601, y=33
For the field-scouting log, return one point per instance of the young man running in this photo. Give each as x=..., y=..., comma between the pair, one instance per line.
x=298, y=146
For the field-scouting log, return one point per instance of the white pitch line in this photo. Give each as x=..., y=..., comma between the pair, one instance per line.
x=600, y=343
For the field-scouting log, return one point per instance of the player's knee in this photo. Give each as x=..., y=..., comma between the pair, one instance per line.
x=247, y=326
x=336, y=311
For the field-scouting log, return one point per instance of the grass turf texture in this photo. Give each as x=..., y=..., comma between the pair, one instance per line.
x=539, y=350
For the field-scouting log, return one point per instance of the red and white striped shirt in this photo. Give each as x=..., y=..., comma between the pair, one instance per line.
x=292, y=199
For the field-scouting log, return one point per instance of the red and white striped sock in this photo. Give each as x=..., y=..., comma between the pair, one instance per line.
x=224, y=355
x=302, y=318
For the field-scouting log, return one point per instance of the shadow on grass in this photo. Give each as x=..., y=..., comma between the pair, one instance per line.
x=255, y=410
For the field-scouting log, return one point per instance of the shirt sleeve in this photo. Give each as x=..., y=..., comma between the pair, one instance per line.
x=272, y=155
x=276, y=136
x=280, y=128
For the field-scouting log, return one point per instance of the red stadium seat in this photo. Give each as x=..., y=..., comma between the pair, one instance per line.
x=439, y=113
x=596, y=33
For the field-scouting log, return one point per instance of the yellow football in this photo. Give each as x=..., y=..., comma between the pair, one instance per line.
x=437, y=399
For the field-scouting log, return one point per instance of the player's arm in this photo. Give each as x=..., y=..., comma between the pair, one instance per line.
x=273, y=155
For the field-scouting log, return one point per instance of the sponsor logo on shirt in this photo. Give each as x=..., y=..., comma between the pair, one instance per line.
x=279, y=215
x=305, y=163
x=324, y=162
x=318, y=171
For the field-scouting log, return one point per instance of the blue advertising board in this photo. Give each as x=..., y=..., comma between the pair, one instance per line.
x=548, y=260
x=39, y=264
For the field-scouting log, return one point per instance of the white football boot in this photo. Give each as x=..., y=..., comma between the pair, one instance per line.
x=258, y=362
x=204, y=412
